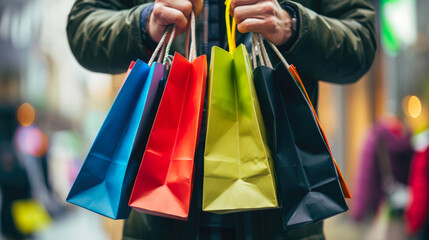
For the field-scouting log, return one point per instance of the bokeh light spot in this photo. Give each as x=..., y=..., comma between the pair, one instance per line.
x=31, y=140
x=25, y=114
x=414, y=107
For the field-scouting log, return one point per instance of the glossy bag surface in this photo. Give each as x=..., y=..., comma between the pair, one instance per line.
x=163, y=185
x=238, y=168
x=308, y=181
x=105, y=180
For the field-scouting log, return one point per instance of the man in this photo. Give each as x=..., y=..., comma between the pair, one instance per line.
x=329, y=40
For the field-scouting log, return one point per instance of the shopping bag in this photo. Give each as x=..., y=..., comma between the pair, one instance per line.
x=105, y=180
x=238, y=168
x=164, y=181
x=308, y=181
x=294, y=73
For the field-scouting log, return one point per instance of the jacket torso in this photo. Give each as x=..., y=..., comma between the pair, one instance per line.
x=336, y=43
x=202, y=225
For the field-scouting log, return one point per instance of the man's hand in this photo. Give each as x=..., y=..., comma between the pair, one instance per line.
x=263, y=16
x=167, y=12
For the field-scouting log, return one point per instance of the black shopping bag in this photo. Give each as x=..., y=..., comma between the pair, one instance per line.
x=309, y=183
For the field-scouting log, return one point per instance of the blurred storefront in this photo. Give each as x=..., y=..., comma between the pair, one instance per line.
x=63, y=105
x=396, y=87
x=50, y=111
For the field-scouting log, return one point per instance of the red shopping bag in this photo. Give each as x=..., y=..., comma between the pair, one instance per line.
x=163, y=185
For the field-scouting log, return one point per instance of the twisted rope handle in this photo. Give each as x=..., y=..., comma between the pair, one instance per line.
x=193, y=51
x=263, y=50
x=168, y=47
x=160, y=45
x=258, y=45
x=254, y=48
x=279, y=54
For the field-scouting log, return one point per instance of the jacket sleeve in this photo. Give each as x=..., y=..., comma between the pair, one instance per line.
x=335, y=44
x=105, y=36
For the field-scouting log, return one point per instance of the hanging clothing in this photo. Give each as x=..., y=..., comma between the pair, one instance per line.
x=370, y=189
x=416, y=214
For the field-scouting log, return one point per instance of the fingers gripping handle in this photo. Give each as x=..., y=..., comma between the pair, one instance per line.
x=159, y=49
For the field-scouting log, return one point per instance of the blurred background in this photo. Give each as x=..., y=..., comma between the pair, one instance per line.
x=51, y=110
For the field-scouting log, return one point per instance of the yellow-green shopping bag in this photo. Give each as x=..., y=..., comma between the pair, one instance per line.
x=238, y=168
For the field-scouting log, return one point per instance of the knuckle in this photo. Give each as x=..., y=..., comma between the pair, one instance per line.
x=270, y=22
x=176, y=16
x=268, y=8
x=233, y=4
x=180, y=20
x=242, y=27
x=158, y=9
x=187, y=7
x=238, y=14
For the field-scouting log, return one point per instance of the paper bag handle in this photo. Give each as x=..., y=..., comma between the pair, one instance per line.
x=230, y=30
x=259, y=47
x=191, y=52
x=161, y=46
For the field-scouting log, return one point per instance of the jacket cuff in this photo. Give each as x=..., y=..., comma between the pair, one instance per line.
x=148, y=42
x=293, y=12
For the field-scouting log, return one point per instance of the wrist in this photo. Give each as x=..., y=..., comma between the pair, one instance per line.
x=148, y=42
x=293, y=13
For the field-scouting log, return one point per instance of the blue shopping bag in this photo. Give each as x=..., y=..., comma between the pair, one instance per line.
x=106, y=178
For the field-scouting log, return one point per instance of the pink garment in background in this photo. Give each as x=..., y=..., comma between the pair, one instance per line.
x=416, y=213
x=369, y=190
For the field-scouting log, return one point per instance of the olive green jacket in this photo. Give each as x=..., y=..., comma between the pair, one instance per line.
x=336, y=42
x=336, y=38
